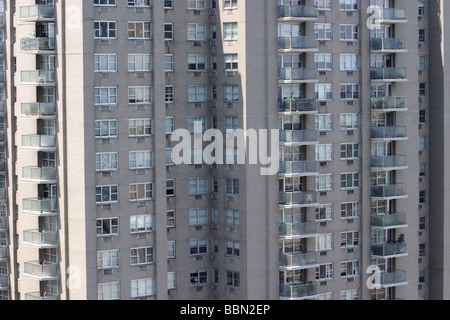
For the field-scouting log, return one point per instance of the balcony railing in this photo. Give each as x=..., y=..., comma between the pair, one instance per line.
x=37, y=77
x=389, y=133
x=2, y=137
x=39, y=142
x=40, y=296
x=40, y=175
x=296, y=11
x=298, y=167
x=37, y=12
x=37, y=44
x=41, y=270
x=38, y=110
x=390, y=279
x=388, y=74
x=297, y=74
x=387, y=44
x=390, y=191
x=2, y=107
x=298, y=291
x=4, y=281
x=304, y=198
x=3, y=223
x=388, y=103
x=40, y=238
x=299, y=136
x=397, y=161
x=298, y=229
x=3, y=195
x=39, y=207
x=298, y=260
x=3, y=252
x=2, y=78
x=297, y=43
x=297, y=105
x=391, y=14
x=389, y=220
x=388, y=249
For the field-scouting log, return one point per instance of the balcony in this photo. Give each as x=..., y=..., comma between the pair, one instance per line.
x=298, y=199
x=391, y=15
x=41, y=271
x=299, y=137
x=38, y=78
x=298, y=168
x=3, y=252
x=40, y=239
x=37, y=13
x=389, y=221
x=297, y=106
x=44, y=207
x=39, y=175
x=298, y=291
x=388, y=74
x=388, y=45
x=3, y=196
x=389, y=133
x=2, y=108
x=2, y=78
x=389, y=250
x=40, y=296
x=3, y=223
x=392, y=279
x=4, y=282
x=38, y=110
x=299, y=261
x=397, y=162
x=39, y=142
x=2, y=137
x=297, y=75
x=388, y=192
x=298, y=44
x=297, y=13
x=388, y=104
x=38, y=45
x=298, y=230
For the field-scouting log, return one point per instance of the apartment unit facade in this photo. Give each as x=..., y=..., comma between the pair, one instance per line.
x=94, y=206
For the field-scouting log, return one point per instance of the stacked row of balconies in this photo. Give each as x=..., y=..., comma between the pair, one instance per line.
x=298, y=166
x=42, y=204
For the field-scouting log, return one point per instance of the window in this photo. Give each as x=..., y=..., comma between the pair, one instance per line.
x=139, y=62
x=422, y=89
x=139, y=3
x=230, y=31
x=349, y=91
x=232, y=248
x=323, y=61
x=349, y=62
x=198, y=186
x=231, y=123
x=349, y=239
x=231, y=61
x=422, y=63
x=142, y=288
x=232, y=186
x=324, y=212
x=350, y=210
x=350, y=121
x=141, y=191
x=349, y=268
x=199, y=277
x=197, y=124
x=350, y=180
x=422, y=250
x=230, y=4
x=139, y=95
x=196, y=4
x=168, y=62
x=422, y=116
x=170, y=249
x=324, y=152
x=349, y=151
x=324, y=122
x=323, y=4
x=422, y=143
x=141, y=160
x=106, y=161
x=108, y=259
x=168, y=31
x=198, y=246
x=233, y=279
x=422, y=197
x=140, y=127
x=198, y=217
x=324, y=272
x=108, y=291
x=141, y=256
x=106, y=194
x=324, y=182
x=324, y=242
x=421, y=9
x=105, y=63
x=422, y=170
x=422, y=276
x=324, y=91
x=170, y=125
x=141, y=224
x=107, y=227
x=105, y=95
x=323, y=31
x=170, y=187
x=232, y=218
x=196, y=31
x=105, y=30
x=171, y=280
x=169, y=157
x=422, y=35
x=171, y=218
x=197, y=93
x=197, y=62
x=139, y=30
x=348, y=32
x=231, y=93
x=422, y=223
x=350, y=294
x=168, y=4
x=169, y=94
x=348, y=5
x=104, y=3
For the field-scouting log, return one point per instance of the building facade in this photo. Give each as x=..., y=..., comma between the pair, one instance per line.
x=93, y=205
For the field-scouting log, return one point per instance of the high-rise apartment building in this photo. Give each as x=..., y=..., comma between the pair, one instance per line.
x=93, y=206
